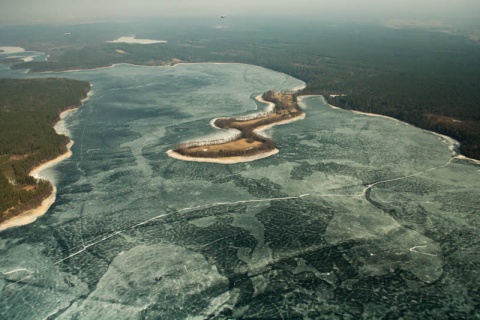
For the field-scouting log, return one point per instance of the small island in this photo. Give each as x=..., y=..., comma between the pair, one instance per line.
x=247, y=144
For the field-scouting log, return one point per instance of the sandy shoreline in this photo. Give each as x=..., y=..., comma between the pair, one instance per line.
x=31, y=215
x=461, y=157
x=226, y=160
x=270, y=105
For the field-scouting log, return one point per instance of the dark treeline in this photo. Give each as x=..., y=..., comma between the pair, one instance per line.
x=28, y=111
x=429, y=79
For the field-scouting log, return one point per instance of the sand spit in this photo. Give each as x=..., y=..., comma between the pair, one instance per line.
x=233, y=160
x=32, y=214
x=259, y=130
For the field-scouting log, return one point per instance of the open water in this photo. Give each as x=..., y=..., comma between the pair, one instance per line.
x=355, y=217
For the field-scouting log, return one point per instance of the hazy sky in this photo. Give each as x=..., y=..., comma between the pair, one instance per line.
x=55, y=11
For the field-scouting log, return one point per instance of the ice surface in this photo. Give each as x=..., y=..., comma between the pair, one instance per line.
x=355, y=217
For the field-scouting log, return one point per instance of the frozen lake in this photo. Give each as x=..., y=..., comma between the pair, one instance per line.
x=356, y=216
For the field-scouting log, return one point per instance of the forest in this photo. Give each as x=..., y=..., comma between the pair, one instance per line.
x=427, y=78
x=28, y=111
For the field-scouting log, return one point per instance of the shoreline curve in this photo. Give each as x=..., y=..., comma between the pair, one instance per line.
x=31, y=215
x=452, y=142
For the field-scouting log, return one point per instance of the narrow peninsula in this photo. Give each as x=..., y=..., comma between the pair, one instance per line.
x=247, y=144
x=29, y=109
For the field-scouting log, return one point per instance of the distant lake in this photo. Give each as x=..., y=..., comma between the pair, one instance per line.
x=356, y=216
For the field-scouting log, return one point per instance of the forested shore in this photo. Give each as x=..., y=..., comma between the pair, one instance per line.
x=29, y=108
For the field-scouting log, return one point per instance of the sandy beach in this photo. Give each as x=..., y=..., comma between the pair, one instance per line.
x=226, y=160
x=32, y=214
x=271, y=105
x=376, y=115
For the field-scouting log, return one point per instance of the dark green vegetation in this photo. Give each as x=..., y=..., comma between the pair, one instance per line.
x=428, y=79
x=28, y=111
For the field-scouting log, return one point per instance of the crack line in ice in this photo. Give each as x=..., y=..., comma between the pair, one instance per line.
x=383, y=181
x=81, y=143
x=339, y=195
x=409, y=176
x=212, y=242
x=414, y=249
x=14, y=271
x=106, y=237
x=263, y=200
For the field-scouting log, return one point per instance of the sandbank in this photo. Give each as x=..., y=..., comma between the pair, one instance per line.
x=10, y=50
x=133, y=40
x=31, y=215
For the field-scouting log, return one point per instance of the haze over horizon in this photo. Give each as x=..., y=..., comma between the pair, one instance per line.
x=60, y=11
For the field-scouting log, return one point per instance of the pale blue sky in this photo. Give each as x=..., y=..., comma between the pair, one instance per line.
x=55, y=11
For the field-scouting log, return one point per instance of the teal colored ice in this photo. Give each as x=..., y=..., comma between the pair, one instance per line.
x=355, y=217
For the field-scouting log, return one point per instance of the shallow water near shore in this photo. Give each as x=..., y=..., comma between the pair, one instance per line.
x=355, y=217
